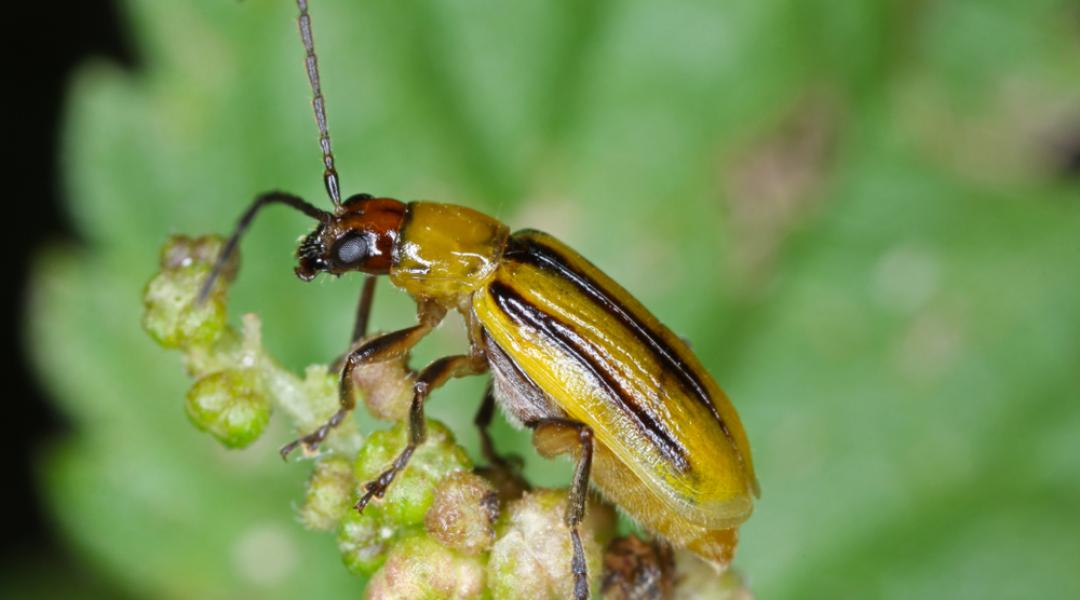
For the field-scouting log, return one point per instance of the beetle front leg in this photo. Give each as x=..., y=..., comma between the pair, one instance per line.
x=363, y=309
x=385, y=347
x=360, y=325
x=556, y=430
x=433, y=376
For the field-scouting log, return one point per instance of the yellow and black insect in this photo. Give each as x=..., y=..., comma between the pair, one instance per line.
x=573, y=356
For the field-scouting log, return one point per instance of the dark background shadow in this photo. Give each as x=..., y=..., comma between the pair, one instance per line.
x=47, y=43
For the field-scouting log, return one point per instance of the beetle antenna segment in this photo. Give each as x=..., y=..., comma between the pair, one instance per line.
x=330, y=175
x=229, y=248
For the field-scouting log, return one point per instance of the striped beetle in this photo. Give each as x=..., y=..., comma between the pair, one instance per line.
x=573, y=356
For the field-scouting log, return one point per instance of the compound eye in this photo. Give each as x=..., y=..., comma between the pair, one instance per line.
x=353, y=249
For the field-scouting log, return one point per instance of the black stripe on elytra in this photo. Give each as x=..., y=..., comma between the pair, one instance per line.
x=532, y=252
x=524, y=313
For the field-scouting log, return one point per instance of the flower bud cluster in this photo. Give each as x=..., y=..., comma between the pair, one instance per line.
x=442, y=530
x=237, y=384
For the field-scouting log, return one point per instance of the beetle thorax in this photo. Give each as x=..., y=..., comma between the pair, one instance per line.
x=445, y=251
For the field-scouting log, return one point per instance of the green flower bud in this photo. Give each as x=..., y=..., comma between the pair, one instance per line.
x=418, y=568
x=531, y=557
x=413, y=490
x=231, y=405
x=364, y=539
x=170, y=314
x=463, y=514
x=329, y=494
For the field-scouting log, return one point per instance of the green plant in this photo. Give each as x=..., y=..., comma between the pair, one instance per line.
x=872, y=187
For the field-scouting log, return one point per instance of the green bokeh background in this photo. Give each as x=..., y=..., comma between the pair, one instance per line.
x=854, y=212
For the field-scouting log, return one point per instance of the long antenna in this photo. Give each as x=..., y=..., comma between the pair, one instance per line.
x=330, y=176
x=229, y=248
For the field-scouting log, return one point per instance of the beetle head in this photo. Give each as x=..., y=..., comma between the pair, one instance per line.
x=359, y=237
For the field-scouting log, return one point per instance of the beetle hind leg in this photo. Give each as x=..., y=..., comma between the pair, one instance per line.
x=433, y=376
x=500, y=467
x=553, y=434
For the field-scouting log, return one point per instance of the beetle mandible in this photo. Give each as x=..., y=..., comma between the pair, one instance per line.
x=573, y=356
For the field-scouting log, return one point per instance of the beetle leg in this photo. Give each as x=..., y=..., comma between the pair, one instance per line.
x=385, y=347
x=360, y=326
x=482, y=420
x=432, y=377
x=363, y=309
x=508, y=466
x=579, y=488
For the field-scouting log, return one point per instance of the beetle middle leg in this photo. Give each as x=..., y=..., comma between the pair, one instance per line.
x=553, y=434
x=433, y=376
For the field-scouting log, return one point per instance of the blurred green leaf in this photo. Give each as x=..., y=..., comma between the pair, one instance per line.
x=906, y=361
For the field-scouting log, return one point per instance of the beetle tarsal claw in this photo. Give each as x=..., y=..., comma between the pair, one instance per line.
x=578, y=567
x=309, y=444
x=374, y=490
x=362, y=503
x=287, y=449
x=377, y=487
